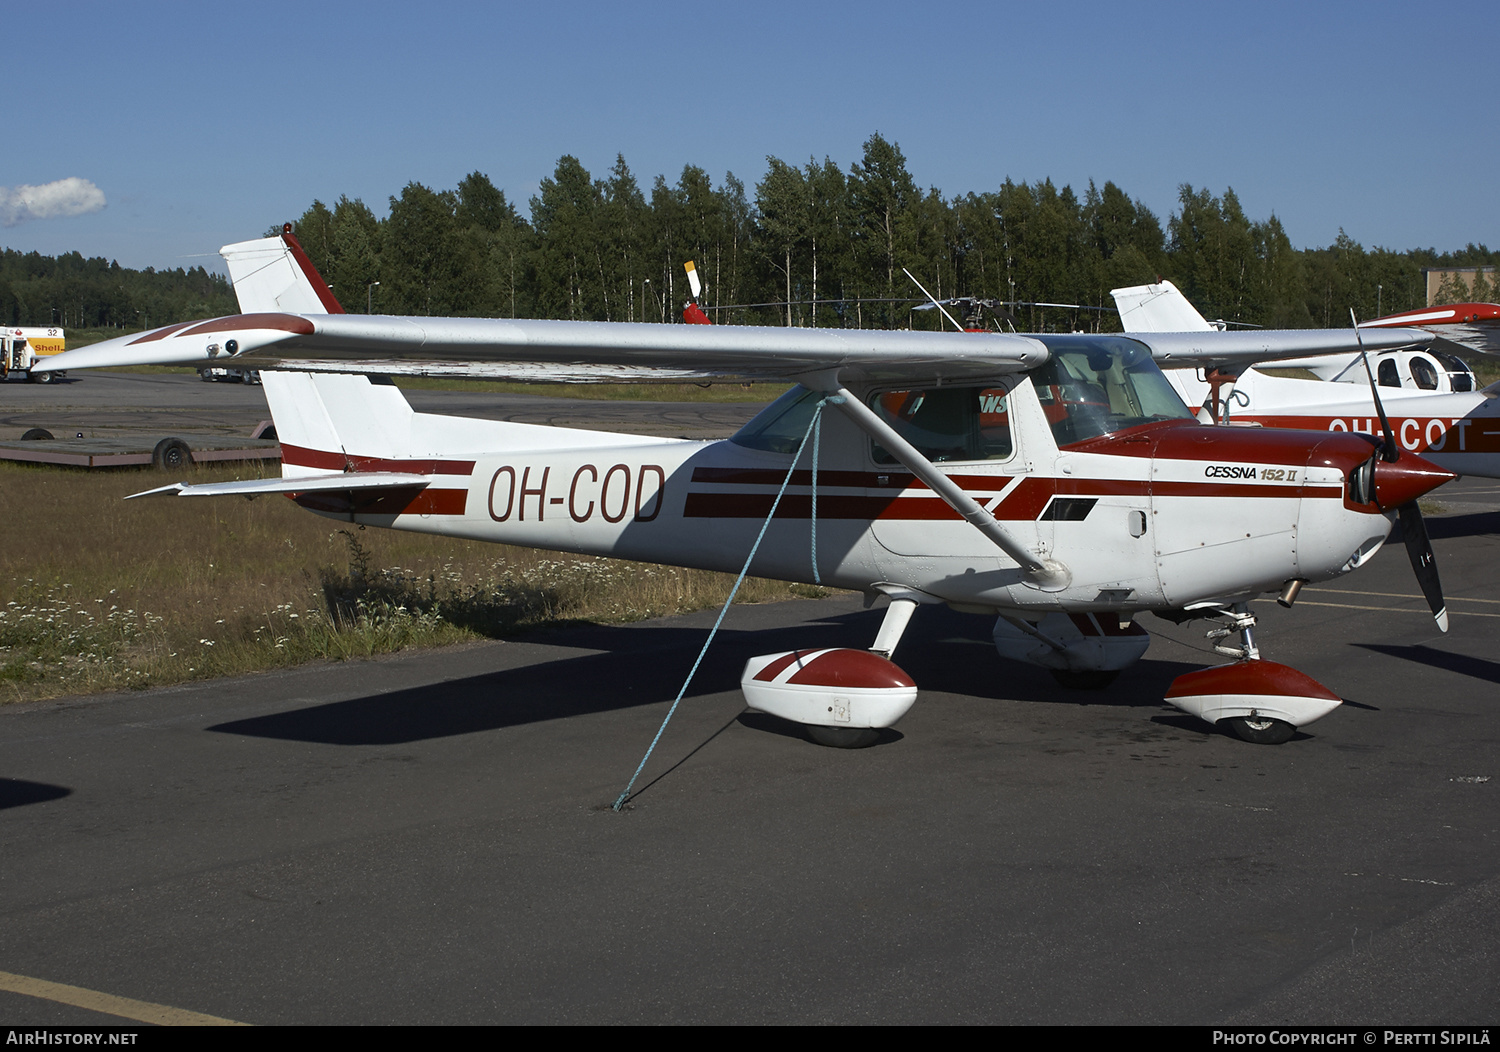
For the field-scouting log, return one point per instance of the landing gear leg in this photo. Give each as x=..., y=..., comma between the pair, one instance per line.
x=1237, y=618
x=897, y=617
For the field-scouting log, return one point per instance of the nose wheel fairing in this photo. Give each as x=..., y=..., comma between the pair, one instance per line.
x=1254, y=691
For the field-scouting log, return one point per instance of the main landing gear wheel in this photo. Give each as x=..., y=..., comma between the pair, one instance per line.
x=843, y=737
x=1087, y=680
x=1261, y=731
x=37, y=434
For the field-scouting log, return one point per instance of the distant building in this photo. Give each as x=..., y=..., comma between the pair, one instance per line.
x=1470, y=277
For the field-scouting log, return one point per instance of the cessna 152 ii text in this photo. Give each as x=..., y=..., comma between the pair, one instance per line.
x=1056, y=482
x=1431, y=396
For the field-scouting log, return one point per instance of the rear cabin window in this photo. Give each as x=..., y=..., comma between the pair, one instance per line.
x=947, y=423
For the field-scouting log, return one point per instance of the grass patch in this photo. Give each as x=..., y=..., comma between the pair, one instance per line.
x=101, y=594
x=1486, y=370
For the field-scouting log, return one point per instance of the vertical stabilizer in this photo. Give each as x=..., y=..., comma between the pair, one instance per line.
x=324, y=421
x=274, y=274
x=1157, y=308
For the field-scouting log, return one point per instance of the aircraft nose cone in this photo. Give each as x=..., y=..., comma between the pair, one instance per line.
x=1403, y=481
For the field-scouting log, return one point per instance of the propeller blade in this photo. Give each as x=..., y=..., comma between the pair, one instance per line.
x=1419, y=549
x=1390, y=451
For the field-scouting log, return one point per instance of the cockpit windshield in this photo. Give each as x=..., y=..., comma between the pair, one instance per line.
x=1460, y=376
x=1100, y=385
x=780, y=426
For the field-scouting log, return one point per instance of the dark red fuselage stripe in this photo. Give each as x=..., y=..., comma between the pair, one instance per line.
x=1024, y=504
x=303, y=457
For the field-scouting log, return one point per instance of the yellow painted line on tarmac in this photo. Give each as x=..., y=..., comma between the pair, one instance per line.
x=1390, y=609
x=109, y=1004
x=1401, y=595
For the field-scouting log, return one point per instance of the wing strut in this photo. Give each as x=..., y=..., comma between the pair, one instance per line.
x=1046, y=574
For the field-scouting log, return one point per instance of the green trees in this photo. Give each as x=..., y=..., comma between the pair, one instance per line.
x=569, y=258
x=813, y=245
x=75, y=292
x=883, y=205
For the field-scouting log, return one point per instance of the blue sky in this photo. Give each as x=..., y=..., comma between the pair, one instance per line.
x=203, y=124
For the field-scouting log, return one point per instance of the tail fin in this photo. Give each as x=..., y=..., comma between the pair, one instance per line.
x=1158, y=308
x=274, y=274
x=332, y=421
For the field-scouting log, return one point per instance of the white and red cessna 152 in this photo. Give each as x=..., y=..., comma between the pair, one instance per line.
x=1057, y=481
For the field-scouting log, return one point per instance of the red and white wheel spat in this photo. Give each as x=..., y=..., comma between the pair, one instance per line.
x=833, y=688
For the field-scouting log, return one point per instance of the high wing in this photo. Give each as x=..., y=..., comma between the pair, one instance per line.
x=566, y=351
x=1251, y=346
x=1461, y=328
x=579, y=351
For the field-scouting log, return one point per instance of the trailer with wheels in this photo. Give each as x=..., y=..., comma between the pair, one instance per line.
x=169, y=453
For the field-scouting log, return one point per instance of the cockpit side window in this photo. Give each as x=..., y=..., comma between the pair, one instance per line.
x=1423, y=373
x=947, y=423
x=1387, y=376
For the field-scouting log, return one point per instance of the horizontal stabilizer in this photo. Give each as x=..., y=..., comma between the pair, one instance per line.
x=364, y=481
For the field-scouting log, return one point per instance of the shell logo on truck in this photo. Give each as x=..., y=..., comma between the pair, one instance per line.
x=21, y=346
x=43, y=342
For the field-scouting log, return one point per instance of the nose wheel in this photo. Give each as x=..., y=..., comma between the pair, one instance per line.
x=1260, y=730
x=843, y=737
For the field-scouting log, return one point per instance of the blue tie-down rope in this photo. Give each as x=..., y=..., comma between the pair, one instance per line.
x=813, y=430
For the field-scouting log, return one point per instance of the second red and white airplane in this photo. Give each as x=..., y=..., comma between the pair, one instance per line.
x=1430, y=395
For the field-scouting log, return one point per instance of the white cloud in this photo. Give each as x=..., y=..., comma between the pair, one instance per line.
x=65, y=197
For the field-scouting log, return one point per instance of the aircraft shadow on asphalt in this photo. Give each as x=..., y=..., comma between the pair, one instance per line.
x=1478, y=668
x=1446, y=527
x=17, y=792
x=645, y=665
